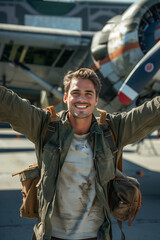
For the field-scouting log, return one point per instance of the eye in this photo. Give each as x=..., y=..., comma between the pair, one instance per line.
x=89, y=94
x=75, y=93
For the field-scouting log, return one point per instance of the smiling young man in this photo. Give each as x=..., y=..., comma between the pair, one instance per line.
x=76, y=163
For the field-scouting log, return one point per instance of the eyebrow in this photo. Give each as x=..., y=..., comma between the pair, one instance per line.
x=77, y=90
x=90, y=91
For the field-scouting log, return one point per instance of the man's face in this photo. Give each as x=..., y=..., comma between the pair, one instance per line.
x=81, y=98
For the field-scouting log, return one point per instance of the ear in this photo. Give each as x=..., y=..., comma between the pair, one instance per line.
x=65, y=98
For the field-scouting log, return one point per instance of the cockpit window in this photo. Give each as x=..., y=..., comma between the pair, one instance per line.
x=64, y=58
x=36, y=55
x=41, y=56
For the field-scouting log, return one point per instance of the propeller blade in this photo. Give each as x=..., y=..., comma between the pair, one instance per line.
x=140, y=75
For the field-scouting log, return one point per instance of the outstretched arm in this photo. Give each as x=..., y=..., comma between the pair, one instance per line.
x=23, y=117
x=137, y=123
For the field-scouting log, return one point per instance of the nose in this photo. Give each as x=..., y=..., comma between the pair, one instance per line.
x=82, y=98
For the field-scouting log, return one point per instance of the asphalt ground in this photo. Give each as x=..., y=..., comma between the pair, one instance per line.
x=141, y=160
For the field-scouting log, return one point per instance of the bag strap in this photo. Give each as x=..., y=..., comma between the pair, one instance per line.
x=52, y=111
x=108, y=133
x=51, y=128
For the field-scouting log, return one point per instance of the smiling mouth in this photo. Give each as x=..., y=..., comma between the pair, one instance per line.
x=81, y=106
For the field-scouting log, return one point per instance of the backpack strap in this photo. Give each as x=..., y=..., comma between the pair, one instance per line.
x=108, y=133
x=51, y=128
x=52, y=111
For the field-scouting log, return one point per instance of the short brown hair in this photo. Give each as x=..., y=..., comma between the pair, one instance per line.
x=82, y=73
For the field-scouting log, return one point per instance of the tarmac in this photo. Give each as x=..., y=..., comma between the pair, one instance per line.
x=141, y=160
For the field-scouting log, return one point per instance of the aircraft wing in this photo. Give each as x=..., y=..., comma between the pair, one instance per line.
x=34, y=58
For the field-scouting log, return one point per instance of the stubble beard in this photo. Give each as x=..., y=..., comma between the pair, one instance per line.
x=80, y=115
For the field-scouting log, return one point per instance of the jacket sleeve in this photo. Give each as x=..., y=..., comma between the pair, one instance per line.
x=23, y=117
x=136, y=124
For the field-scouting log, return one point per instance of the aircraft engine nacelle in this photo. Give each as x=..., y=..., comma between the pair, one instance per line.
x=123, y=41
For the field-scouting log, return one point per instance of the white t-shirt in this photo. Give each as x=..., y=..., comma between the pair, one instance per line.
x=78, y=213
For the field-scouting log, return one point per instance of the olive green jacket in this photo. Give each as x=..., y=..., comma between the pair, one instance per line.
x=32, y=122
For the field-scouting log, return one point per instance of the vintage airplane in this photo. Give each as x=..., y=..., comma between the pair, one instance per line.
x=119, y=47
x=33, y=59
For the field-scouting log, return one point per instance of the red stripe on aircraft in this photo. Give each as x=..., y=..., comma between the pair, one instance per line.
x=123, y=98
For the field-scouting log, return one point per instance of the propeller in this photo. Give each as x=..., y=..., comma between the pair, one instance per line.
x=140, y=75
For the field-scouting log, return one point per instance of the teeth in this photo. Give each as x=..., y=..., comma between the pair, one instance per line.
x=81, y=106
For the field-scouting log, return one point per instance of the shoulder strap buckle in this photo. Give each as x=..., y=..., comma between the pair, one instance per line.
x=52, y=111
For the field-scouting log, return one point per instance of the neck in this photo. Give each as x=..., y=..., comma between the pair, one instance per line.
x=81, y=125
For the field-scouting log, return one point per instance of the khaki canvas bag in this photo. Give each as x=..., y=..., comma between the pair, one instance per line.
x=29, y=178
